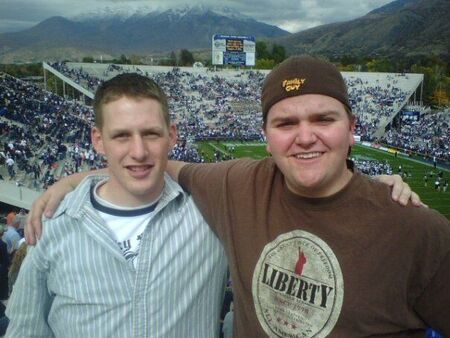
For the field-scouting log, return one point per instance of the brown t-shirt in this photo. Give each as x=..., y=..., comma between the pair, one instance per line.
x=353, y=264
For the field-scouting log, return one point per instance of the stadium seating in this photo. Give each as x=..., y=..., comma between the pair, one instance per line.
x=47, y=136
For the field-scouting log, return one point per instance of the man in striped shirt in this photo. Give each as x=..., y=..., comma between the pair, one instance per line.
x=128, y=254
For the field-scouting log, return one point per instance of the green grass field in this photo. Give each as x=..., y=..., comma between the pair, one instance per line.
x=435, y=199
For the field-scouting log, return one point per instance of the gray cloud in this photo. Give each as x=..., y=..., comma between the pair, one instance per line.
x=292, y=15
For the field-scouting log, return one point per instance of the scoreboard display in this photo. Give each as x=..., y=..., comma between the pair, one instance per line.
x=233, y=50
x=235, y=45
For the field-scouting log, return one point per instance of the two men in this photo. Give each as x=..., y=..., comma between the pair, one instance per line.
x=126, y=255
x=292, y=224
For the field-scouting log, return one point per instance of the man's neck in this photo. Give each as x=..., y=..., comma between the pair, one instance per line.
x=105, y=192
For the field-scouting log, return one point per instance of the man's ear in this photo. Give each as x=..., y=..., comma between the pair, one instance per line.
x=173, y=136
x=97, y=140
x=265, y=136
x=352, y=130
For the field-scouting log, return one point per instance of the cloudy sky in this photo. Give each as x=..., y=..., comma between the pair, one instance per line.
x=291, y=15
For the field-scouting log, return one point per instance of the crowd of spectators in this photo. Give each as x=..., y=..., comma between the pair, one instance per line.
x=35, y=128
x=78, y=75
x=206, y=105
x=45, y=136
x=374, y=102
x=428, y=136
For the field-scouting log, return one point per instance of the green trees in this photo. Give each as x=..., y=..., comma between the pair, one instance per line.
x=266, y=59
x=88, y=59
x=436, y=83
x=382, y=65
x=22, y=70
x=186, y=58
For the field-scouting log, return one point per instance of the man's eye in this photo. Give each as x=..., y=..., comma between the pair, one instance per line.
x=151, y=135
x=120, y=136
x=325, y=119
x=285, y=124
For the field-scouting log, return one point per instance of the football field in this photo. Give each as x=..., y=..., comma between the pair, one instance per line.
x=438, y=200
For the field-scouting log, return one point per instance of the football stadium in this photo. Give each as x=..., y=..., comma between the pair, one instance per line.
x=280, y=229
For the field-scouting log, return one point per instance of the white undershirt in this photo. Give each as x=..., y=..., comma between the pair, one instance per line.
x=127, y=224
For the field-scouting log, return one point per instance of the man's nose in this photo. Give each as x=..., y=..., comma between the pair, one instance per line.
x=305, y=134
x=137, y=148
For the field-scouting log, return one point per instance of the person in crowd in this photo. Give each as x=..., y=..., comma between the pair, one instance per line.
x=11, y=236
x=21, y=219
x=253, y=215
x=10, y=217
x=128, y=254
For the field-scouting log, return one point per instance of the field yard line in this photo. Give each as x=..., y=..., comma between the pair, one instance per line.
x=251, y=144
x=219, y=149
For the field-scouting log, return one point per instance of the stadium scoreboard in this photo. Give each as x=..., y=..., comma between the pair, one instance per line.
x=233, y=50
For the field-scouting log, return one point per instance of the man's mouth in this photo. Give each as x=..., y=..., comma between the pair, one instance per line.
x=139, y=171
x=307, y=156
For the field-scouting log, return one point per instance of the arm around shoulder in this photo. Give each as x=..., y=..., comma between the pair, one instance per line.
x=47, y=203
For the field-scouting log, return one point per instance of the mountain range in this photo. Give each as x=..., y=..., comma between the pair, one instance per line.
x=155, y=32
x=400, y=28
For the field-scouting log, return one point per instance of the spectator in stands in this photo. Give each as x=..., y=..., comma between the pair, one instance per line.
x=21, y=219
x=10, y=165
x=11, y=236
x=135, y=238
x=245, y=229
x=10, y=217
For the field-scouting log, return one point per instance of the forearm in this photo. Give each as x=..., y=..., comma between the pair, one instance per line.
x=74, y=180
x=47, y=203
x=174, y=169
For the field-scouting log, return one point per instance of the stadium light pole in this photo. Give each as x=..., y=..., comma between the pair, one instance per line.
x=45, y=79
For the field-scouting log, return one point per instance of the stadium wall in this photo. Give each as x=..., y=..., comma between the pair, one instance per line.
x=17, y=195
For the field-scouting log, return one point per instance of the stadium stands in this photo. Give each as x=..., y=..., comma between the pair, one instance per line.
x=429, y=136
x=47, y=136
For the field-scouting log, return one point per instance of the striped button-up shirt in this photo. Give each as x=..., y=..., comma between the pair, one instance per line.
x=77, y=283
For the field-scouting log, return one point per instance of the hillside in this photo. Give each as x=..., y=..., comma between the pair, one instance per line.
x=400, y=28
